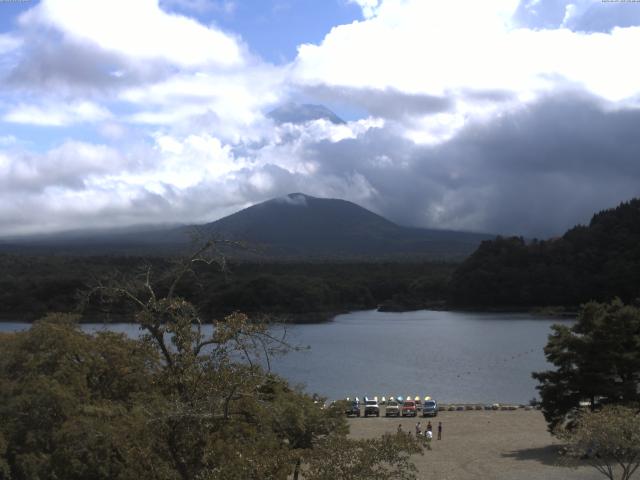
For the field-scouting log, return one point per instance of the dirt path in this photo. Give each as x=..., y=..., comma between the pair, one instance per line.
x=486, y=445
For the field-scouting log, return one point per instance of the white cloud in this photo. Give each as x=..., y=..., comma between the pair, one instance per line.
x=183, y=107
x=65, y=166
x=570, y=12
x=228, y=7
x=57, y=114
x=232, y=105
x=448, y=49
x=7, y=140
x=369, y=7
x=137, y=29
x=190, y=161
x=417, y=48
x=9, y=43
x=161, y=69
x=482, y=179
x=187, y=178
x=79, y=184
x=112, y=130
x=295, y=200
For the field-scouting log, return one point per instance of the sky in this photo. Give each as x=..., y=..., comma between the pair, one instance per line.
x=517, y=117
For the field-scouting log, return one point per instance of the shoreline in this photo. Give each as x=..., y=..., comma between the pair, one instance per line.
x=551, y=311
x=284, y=318
x=310, y=318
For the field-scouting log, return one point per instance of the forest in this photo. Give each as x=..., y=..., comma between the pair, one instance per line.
x=31, y=286
x=599, y=261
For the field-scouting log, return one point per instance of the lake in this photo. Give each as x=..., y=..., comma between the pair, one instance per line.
x=453, y=356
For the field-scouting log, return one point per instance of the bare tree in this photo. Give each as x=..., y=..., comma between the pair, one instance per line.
x=608, y=439
x=209, y=375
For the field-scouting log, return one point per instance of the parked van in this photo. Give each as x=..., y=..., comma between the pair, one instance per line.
x=429, y=408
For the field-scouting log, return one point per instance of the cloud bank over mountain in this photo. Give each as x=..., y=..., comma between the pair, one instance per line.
x=501, y=116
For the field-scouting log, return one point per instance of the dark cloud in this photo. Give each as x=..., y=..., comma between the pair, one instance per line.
x=492, y=96
x=66, y=166
x=53, y=63
x=386, y=103
x=535, y=171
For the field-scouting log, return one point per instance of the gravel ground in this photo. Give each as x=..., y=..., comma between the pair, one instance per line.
x=502, y=445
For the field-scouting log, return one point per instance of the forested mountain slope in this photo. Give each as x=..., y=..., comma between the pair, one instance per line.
x=594, y=262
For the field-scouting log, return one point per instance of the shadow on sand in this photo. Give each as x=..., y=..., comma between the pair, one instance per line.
x=548, y=455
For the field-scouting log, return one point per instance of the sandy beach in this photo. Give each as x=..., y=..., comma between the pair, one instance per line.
x=503, y=445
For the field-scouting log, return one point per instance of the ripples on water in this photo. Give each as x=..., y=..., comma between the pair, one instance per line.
x=452, y=356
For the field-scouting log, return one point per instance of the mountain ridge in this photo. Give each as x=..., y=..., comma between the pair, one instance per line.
x=292, y=226
x=299, y=224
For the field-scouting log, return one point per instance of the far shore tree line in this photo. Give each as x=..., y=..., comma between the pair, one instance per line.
x=32, y=286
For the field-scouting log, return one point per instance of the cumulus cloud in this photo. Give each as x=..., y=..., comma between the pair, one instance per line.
x=502, y=116
x=383, y=103
x=57, y=114
x=8, y=43
x=446, y=49
x=535, y=171
x=80, y=48
x=83, y=62
x=295, y=200
x=369, y=7
x=66, y=166
x=576, y=15
x=230, y=104
x=186, y=178
x=227, y=7
x=174, y=38
x=6, y=140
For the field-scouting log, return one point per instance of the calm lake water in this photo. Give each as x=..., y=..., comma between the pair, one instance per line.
x=452, y=356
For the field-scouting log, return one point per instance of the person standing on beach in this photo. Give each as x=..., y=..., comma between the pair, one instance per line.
x=428, y=436
x=429, y=427
x=418, y=429
x=439, y=430
x=399, y=428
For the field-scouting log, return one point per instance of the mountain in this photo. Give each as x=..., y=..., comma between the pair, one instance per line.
x=302, y=113
x=302, y=225
x=295, y=226
x=599, y=261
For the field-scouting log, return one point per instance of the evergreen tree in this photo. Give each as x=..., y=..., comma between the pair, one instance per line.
x=597, y=360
